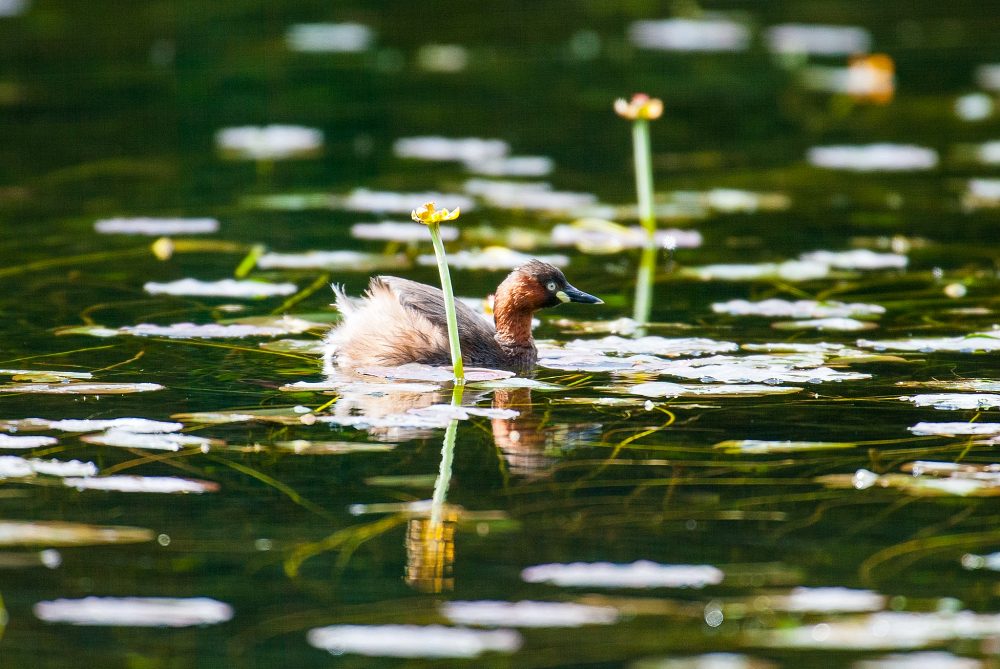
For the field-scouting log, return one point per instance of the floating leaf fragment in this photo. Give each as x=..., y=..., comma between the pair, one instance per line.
x=591, y=235
x=155, y=227
x=222, y=288
x=73, y=388
x=465, y=149
x=148, y=484
x=12, y=466
x=667, y=389
x=306, y=447
x=46, y=372
x=956, y=429
x=956, y=401
x=653, y=345
x=271, y=327
x=135, y=611
x=829, y=600
x=123, y=438
x=874, y=157
x=429, y=641
x=303, y=346
x=922, y=660
x=270, y=142
x=89, y=424
x=278, y=415
x=527, y=614
x=492, y=258
x=55, y=533
x=361, y=387
x=777, y=308
x=329, y=37
x=818, y=39
x=790, y=270
x=8, y=441
x=353, y=261
x=826, y=324
x=640, y=574
x=420, y=372
x=972, y=343
x=688, y=34
x=393, y=231
x=707, y=661
x=857, y=259
x=390, y=202
x=761, y=446
x=528, y=196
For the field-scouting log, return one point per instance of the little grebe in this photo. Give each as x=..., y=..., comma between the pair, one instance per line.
x=400, y=321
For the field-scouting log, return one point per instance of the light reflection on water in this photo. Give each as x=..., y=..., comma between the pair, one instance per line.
x=715, y=488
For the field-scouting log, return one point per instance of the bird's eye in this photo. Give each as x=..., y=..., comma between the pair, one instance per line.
x=551, y=285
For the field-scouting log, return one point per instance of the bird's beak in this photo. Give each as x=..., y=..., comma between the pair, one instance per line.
x=571, y=294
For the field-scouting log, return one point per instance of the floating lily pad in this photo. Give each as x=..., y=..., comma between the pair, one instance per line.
x=135, y=611
x=956, y=429
x=46, y=373
x=270, y=142
x=148, y=484
x=90, y=424
x=527, y=195
x=818, y=39
x=74, y=388
x=957, y=483
x=826, y=324
x=433, y=416
x=667, y=389
x=492, y=258
x=829, y=600
x=857, y=259
x=304, y=346
x=463, y=149
x=425, y=481
x=221, y=288
x=155, y=227
x=419, y=372
x=8, y=441
x=351, y=261
x=394, y=231
x=956, y=401
x=362, y=387
x=528, y=614
x=885, y=630
x=652, y=345
x=641, y=574
x=976, y=342
x=707, y=661
x=938, y=659
x=690, y=34
x=14, y=467
x=591, y=235
x=329, y=37
x=515, y=382
x=769, y=369
x=874, y=157
x=307, y=447
x=269, y=327
x=282, y=416
x=512, y=166
x=390, y=202
x=122, y=438
x=54, y=533
x=430, y=641
x=799, y=309
x=970, y=385
x=790, y=270
x=760, y=446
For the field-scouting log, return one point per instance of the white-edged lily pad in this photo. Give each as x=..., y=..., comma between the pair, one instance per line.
x=148, y=484
x=75, y=388
x=515, y=382
x=353, y=261
x=296, y=415
x=763, y=446
x=956, y=429
x=789, y=270
x=857, y=259
x=12, y=466
x=355, y=387
x=653, y=345
x=122, y=438
x=57, y=533
x=155, y=227
x=706, y=661
x=640, y=574
x=395, y=231
x=420, y=372
x=977, y=342
x=690, y=34
x=391, y=202
x=956, y=401
x=958, y=483
x=885, y=630
x=267, y=327
x=47, y=373
x=528, y=614
x=874, y=157
x=528, y=196
x=329, y=37
x=759, y=368
x=433, y=416
x=512, y=166
x=492, y=258
x=591, y=235
x=818, y=39
x=270, y=142
x=799, y=309
x=826, y=324
x=938, y=659
x=307, y=447
x=829, y=600
x=135, y=611
x=304, y=346
x=667, y=389
x=222, y=288
x=462, y=149
x=429, y=641
x=17, y=441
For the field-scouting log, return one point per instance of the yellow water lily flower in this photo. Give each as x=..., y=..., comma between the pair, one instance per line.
x=641, y=106
x=427, y=214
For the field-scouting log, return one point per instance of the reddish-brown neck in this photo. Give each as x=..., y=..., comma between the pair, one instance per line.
x=513, y=305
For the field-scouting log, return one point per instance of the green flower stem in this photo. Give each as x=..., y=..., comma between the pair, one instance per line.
x=647, y=217
x=449, y=304
x=643, y=175
x=447, y=455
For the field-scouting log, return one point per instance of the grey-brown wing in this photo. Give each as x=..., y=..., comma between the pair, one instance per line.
x=428, y=300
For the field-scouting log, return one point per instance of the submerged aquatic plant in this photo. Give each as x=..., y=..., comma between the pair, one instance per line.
x=432, y=218
x=641, y=110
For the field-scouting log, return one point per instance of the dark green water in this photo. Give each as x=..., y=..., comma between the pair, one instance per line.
x=108, y=111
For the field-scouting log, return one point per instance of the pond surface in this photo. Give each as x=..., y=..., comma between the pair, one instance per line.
x=793, y=465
